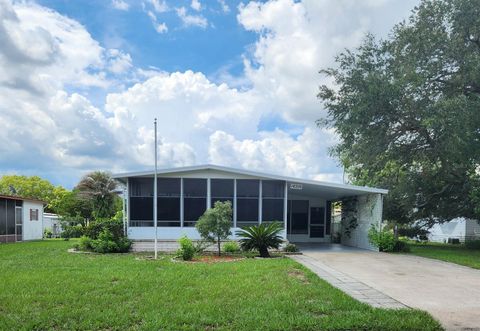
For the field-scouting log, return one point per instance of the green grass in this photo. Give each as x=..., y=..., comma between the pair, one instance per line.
x=44, y=287
x=447, y=252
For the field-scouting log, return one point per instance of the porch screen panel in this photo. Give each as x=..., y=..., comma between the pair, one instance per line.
x=194, y=199
x=141, y=202
x=221, y=190
x=3, y=217
x=168, y=201
x=317, y=222
x=10, y=217
x=247, y=202
x=272, y=200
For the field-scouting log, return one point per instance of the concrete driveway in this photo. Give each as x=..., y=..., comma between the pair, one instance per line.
x=449, y=292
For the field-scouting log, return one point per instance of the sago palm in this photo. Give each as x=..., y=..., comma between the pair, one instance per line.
x=261, y=237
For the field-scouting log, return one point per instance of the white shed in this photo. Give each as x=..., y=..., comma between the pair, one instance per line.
x=20, y=219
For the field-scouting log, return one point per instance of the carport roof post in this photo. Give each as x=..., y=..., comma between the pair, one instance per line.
x=325, y=189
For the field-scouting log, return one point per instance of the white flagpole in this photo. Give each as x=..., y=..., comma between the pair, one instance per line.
x=155, y=192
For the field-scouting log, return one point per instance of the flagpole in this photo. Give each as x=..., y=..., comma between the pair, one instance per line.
x=155, y=192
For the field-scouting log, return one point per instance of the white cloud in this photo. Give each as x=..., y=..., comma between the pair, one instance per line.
x=196, y=5
x=159, y=27
x=120, y=5
x=160, y=6
x=224, y=6
x=46, y=129
x=191, y=20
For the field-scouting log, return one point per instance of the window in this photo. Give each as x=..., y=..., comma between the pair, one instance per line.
x=141, y=187
x=168, y=202
x=33, y=214
x=247, y=202
x=272, y=200
x=195, y=199
x=221, y=190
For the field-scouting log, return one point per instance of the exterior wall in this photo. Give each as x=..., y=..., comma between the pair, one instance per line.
x=52, y=222
x=32, y=230
x=170, y=233
x=313, y=202
x=369, y=210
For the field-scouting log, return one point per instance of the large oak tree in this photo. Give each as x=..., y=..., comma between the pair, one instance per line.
x=407, y=111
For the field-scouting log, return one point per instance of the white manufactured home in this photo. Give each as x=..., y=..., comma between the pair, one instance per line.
x=303, y=206
x=459, y=228
x=20, y=219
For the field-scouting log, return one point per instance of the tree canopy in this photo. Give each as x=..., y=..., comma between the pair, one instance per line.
x=214, y=225
x=406, y=110
x=33, y=187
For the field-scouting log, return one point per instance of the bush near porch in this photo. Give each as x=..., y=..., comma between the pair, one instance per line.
x=42, y=286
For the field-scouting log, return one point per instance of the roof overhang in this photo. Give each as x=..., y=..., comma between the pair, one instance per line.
x=314, y=187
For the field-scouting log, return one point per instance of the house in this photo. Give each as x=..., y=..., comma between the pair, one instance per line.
x=52, y=223
x=303, y=206
x=459, y=228
x=20, y=219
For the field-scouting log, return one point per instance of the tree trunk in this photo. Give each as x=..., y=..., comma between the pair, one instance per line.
x=218, y=243
x=264, y=252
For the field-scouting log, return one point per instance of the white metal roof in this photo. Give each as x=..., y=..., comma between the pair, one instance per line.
x=338, y=188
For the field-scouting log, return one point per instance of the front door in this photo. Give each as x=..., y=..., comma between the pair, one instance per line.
x=297, y=217
x=317, y=222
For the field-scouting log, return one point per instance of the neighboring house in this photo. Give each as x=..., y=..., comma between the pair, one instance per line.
x=303, y=206
x=458, y=228
x=20, y=219
x=52, y=222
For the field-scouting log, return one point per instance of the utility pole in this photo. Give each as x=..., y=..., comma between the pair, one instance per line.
x=155, y=192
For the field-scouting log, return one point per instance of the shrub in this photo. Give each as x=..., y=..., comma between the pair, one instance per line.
x=383, y=240
x=401, y=246
x=47, y=233
x=105, y=243
x=72, y=231
x=187, y=249
x=472, y=244
x=124, y=244
x=261, y=237
x=231, y=247
x=291, y=248
x=115, y=226
x=85, y=244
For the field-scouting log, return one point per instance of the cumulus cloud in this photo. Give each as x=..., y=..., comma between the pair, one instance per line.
x=48, y=129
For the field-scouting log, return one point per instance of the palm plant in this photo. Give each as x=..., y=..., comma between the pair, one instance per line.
x=99, y=187
x=261, y=237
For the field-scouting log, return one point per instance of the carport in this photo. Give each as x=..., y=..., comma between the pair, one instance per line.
x=321, y=213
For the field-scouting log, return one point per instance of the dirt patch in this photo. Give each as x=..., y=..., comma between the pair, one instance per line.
x=298, y=274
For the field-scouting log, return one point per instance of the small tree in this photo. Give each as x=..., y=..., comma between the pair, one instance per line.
x=214, y=225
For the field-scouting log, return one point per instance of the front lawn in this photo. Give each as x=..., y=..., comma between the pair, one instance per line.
x=44, y=287
x=447, y=252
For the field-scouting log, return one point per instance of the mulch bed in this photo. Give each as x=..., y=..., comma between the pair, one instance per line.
x=211, y=259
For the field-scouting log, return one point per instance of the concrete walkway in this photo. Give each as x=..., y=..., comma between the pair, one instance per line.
x=349, y=285
x=449, y=292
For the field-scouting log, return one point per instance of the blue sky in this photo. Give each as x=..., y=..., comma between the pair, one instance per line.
x=232, y=83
